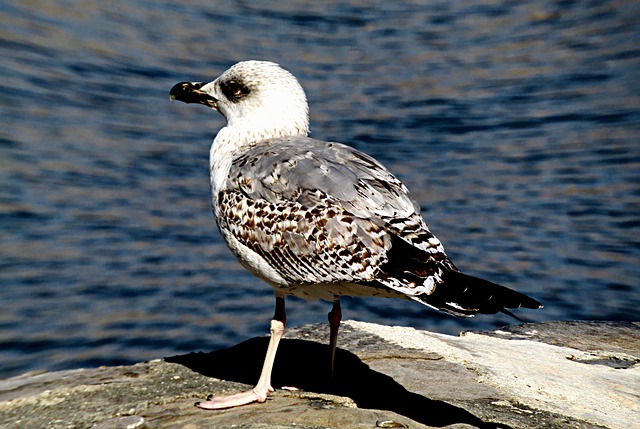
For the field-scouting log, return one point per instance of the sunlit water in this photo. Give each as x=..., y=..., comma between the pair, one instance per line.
x=515, y=124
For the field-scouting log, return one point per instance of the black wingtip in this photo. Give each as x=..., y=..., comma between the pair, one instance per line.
x=476, y=295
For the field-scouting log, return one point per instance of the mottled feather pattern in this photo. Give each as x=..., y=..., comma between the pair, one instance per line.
x=295, y=203
x=321, y=244
x=300, y=169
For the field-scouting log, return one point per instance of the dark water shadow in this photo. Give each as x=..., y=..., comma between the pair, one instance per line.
x=303, y=364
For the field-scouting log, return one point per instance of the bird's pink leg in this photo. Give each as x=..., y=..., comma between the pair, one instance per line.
x=335, y=316
x=262, y=389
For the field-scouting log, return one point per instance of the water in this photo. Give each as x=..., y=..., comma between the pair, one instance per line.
x=515, y=124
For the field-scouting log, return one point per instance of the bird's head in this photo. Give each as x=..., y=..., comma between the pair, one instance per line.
x=259, y=97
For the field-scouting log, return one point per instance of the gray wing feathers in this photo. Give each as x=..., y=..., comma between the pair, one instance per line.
x=290, y=169
x=321, y=212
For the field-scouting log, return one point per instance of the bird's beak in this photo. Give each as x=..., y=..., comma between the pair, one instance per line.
x=191, y=92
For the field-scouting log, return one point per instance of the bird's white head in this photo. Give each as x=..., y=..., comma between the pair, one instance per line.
x=259, y=100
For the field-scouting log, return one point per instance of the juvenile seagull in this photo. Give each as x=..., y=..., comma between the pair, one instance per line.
x=318, y=219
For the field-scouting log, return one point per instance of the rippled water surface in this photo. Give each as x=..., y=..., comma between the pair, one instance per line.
x=515, y=124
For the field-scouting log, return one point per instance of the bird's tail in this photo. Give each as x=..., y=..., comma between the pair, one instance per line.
x=464, y=295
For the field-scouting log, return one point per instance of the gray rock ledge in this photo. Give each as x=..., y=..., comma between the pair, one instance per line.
x=548, y=375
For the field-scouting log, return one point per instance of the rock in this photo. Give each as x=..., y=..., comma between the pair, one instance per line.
x=549, y=375
x=577, y=374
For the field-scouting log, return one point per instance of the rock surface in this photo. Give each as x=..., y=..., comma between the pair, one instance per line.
x=550, y=375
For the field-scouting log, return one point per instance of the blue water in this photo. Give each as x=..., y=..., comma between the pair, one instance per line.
x=515, y=124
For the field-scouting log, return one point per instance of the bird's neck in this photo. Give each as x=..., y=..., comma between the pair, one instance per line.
x=231, y=141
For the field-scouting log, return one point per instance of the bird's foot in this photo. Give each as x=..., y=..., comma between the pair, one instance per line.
x=257, y=394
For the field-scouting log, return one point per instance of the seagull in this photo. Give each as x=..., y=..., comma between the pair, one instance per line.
x=317, y=219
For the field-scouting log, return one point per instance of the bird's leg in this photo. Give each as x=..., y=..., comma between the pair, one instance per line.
x=262, y=389
x=335, y=315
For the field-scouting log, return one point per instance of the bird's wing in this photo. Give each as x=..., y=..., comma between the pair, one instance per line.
x=321, y=212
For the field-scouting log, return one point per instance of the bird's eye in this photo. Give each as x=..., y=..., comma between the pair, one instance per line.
x=234, y=90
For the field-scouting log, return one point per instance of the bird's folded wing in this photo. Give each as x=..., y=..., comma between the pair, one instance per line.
x=296, y=168
x=320, y=212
